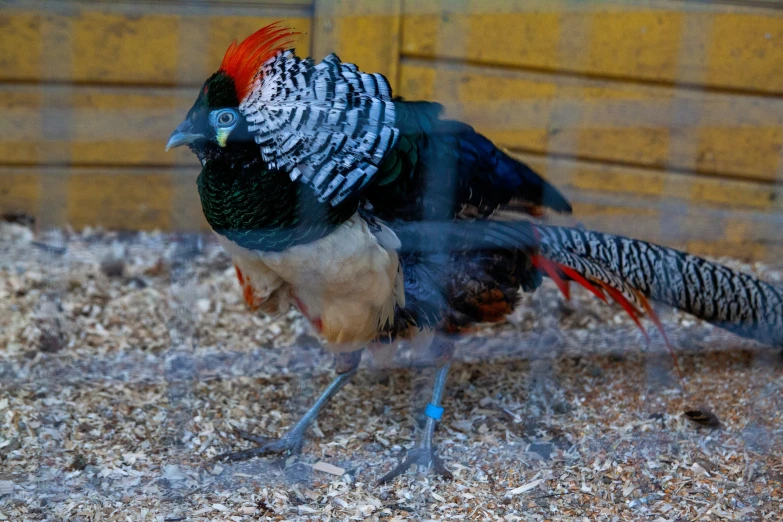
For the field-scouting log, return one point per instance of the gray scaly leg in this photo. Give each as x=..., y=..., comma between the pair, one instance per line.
x=291, y=443
x=423, y=454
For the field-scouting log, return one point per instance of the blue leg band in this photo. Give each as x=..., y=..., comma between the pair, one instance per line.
x=433, y=412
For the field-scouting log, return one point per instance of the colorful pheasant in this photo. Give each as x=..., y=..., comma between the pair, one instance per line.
x=372, y=216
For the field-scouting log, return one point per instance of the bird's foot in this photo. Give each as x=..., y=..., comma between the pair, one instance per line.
x=289, y=444
x=423, y=457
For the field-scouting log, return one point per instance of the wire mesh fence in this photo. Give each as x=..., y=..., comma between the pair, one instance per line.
x=130, y=361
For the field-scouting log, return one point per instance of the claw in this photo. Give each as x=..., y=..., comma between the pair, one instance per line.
x=290, y=444
x=252, y=437
x=422, y=457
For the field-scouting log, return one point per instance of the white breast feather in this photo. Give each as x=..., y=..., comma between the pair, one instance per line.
x=348, y=280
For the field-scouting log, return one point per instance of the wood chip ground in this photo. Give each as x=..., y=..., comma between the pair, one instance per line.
x=128, y=361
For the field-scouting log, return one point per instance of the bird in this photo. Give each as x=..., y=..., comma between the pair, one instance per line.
x=377, y=218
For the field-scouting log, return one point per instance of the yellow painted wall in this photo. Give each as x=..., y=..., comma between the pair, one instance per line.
x=662, y=119
x=90, y=92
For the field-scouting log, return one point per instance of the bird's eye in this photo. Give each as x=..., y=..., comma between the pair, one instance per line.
x=226, y=118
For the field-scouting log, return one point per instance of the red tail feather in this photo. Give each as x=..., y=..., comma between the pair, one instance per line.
x=576, y=276
x=627, y=306
x=552, y=271
x=657, y=322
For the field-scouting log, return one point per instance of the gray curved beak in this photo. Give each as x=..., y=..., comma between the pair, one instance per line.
x=182, y=135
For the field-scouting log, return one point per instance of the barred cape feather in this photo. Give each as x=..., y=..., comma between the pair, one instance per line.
x=329, y=124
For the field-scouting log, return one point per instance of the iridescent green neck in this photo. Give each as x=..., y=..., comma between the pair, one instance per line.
x=263, y=209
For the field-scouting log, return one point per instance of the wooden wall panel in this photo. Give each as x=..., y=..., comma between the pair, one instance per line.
x=619, y=182
x=658, y=41
x=21, y=45
x=20, y=191
x=730, y=134
x=660, y=119
x=112, y=197
x=746, y=51
x=128, y=200
x=364, y=32
x=706, y=216
x=90, y=92
x=114, y=48
x=94, y=125
x=118, y=43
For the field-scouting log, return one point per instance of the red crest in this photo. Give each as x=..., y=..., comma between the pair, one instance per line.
x=242, y=61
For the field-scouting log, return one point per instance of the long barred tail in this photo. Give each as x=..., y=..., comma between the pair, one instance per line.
x=630, y=271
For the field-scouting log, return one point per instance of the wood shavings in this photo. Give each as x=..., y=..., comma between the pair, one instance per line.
x=524, y=488
x=161, y=366
x=328, y=468
x=6, y=487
